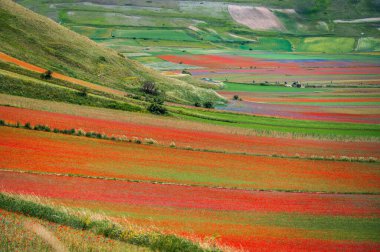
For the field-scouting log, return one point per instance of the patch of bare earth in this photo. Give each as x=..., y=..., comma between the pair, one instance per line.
x=256, y=18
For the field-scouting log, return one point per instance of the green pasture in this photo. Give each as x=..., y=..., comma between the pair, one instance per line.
x=93, y=32
x=178, y=35
x=324, y=44
x=368, y=45
x=176, y=44
x=268, y=125
x=269, y=44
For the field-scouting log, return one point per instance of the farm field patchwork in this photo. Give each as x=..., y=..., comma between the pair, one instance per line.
x=355, y=105
x=271, y=219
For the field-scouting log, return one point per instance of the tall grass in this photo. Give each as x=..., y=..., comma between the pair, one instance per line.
x=153, y=240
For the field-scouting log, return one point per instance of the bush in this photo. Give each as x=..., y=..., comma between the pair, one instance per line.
x=149, y=87
x=2, y=122
x=83, y=92
x=236, y=97
x=157, y=109
x=208, y=105
x=186, y=72
x=197, y=104
x=28, y=126
x=47, y=75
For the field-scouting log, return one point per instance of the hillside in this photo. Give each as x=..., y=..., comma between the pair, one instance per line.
x=42, y=42
x=192, y=126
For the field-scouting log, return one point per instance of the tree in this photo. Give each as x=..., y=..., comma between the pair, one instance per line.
x=149, y=87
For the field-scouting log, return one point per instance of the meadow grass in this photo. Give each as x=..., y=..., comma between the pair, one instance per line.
x=20, y=85
x=324, y=44
x=155, y=241
x=153, y=34
x=23, y=233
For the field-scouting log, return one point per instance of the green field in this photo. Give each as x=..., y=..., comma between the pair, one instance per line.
x=368, y=45
x=324, y=44
x=269, y=44
x=154, y=34
x=268, y=125
x=93, y=32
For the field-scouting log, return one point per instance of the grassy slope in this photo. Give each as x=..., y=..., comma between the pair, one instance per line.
x=19, y=235
x=38, y=40
x=86, y=223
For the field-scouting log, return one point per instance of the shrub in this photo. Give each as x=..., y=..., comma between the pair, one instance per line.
x=157, y=109
x=150, y=141
x=83, y=92
x=149, y=87
x=236, y=97
x=47, y=75
x=2, y=122
x=136, y=140
x=186, y=72
x=197, y=104
x=28, y=126
x=208, y=105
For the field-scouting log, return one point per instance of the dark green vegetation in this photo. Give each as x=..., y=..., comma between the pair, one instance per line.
x=154, y=241
x=60, y=50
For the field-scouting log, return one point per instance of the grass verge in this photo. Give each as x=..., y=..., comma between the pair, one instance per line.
x=155, y=241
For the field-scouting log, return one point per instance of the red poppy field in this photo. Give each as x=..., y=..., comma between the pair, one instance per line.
x=186, y=136
x=242, y=219
x=29, y=150
x=308, y=69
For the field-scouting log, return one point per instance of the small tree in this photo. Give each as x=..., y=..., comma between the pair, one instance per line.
x=149, y=87
x=157, y=109
x=208, y=105
x=47, y=75
x=236, y=97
